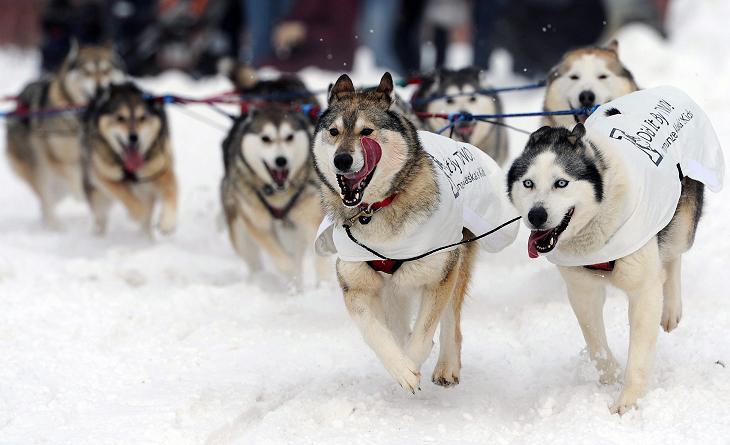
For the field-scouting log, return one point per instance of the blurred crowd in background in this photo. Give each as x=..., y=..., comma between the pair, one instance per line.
x=405, y=36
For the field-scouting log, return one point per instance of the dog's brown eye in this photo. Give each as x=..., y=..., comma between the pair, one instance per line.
x=574, y=77
x=473, y=99
x=603, y=76
x=334, y=131
x=120, y=118
x=266, y=139
x=290, y=138
x=143, y=118
x=366, y=131
x=449, y=100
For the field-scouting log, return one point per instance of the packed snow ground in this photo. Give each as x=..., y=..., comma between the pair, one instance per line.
x=125, y=340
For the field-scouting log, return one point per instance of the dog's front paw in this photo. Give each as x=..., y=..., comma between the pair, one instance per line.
x=608, y=372
x=625, y=403
x=671, y=315
x=167, y=224
x=446, y=374
x=406, y=374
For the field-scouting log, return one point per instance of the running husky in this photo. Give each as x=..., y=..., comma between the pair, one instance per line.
x=583, y=78
x=404, y=194
x=128, y=157
x=45, y=150
x=618, y=202
x=269, y=192
x=463, y=86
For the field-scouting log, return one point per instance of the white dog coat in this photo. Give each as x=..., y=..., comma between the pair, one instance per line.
x=472, y=195
x=658, y=132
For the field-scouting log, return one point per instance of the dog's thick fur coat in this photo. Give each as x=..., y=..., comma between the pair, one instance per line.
x=121, y=123
x=380, y=303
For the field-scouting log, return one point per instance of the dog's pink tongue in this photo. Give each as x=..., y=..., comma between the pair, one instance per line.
x=280, y=176
x=371, y=153
x=535, y=236
x=133, y=160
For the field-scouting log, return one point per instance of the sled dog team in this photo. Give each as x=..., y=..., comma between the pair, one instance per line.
x=610, y=198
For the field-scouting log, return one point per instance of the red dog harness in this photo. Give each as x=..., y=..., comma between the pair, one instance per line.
x=385, y=266
x=605, y=267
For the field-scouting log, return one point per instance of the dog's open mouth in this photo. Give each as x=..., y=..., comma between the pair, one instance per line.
x=353, y=185
x=279, y=175
x=579, y=118
x=465, y=129
x=132, y=157
x=543, y=241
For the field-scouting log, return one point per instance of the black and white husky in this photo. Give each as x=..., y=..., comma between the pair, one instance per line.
x=618, y=201
x=461, y=88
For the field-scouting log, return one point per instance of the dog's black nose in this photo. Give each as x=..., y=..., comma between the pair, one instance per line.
x=587, y=98
x=133, y=138
x=537, y=216
x=343, y=161
x=280, y=161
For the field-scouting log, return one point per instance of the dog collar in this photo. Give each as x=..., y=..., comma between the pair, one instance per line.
x=378, y=205
x=367, y=210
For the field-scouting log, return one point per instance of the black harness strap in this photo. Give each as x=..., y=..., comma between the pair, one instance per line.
x=281, y=213
x=430, y=252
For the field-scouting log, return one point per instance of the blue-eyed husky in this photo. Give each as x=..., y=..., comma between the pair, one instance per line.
x=618, y=201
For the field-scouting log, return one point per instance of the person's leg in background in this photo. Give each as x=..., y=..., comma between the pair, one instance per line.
x=408, y=35
x=260, y=16
x=486, y=14
x=377, y=27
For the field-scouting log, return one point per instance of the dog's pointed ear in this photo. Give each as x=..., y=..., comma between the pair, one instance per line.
x=537, y=135
x=385, y=89
x=612, y=46
x=576, y=134
x=342, y=86
x=73, y=50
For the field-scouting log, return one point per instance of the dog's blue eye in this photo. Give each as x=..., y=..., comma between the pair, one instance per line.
x=561, y=183
x=266, y=139
x=528, y=183
x=574, y=77
x=366, y=131
x=334, y=131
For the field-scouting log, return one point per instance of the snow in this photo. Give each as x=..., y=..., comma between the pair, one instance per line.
x=126, y=340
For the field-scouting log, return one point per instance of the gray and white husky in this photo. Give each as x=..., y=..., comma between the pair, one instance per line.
x=575, y=191
x=45, y=150
x=270, y=194
x=584, y=78
x=462, y=87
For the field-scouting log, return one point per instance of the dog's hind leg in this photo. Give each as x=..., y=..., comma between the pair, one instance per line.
x=672, y=308
x=448, y=367
x=28, y=170
x=361, y=287
x=587, y=296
